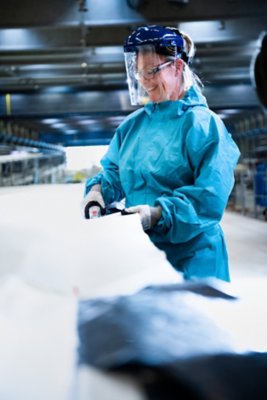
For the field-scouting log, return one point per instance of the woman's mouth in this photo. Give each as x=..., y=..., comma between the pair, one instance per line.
x=151, y=89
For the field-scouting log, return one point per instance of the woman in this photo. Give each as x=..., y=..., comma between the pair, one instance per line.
x=173, y=159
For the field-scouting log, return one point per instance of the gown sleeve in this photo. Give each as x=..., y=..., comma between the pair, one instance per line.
x=191, y=209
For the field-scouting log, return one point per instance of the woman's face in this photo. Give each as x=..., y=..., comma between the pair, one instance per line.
x=164, y=85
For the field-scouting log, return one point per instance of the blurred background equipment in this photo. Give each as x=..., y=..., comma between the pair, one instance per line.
x=63, y=83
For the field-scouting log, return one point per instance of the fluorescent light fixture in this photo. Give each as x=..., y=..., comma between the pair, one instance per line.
x=50, y=120
x=58, y=125
x=70, y=131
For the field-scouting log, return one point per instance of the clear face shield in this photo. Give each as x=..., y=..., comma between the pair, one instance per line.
x=141, y=64
x=138, y=95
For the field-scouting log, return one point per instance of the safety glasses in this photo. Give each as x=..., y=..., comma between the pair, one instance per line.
x=151, y=72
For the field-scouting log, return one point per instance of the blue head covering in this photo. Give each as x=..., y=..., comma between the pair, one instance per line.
x=167, y=41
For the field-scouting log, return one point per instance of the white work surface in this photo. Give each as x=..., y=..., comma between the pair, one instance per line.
x=45, y=240
x=50, y=256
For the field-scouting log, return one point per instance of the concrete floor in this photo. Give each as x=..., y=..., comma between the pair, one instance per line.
x=247, y=245
x=49, y=255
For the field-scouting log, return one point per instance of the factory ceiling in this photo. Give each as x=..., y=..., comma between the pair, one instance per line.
x=62, y=69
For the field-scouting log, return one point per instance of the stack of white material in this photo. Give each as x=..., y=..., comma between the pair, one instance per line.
x=49, y=255
x=46, y=241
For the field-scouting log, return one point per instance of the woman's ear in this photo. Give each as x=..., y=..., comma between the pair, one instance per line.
x=179, y=66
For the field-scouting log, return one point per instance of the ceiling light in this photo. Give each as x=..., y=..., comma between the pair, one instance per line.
x=50, y=120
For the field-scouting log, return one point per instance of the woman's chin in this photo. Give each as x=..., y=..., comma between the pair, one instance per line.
x=155, y=97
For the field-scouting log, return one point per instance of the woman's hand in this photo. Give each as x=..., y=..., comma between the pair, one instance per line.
x=93, y=196
x=149, y=215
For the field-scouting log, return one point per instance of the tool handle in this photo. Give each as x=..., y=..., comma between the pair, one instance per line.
x=93, y=210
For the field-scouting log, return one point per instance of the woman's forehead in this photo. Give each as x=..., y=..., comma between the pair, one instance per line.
x=149, y=58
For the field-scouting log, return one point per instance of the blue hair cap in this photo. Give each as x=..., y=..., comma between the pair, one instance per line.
x=156, y=35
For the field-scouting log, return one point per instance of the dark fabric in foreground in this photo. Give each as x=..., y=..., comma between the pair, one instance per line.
x=218, y=377
x=172, y=348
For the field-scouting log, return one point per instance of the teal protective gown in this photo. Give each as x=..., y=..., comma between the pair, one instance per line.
x=179, y=155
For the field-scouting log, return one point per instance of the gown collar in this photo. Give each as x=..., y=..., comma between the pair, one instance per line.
x=169, y=108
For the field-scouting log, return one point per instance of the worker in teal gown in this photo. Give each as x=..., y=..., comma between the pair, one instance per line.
x=172, y=160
